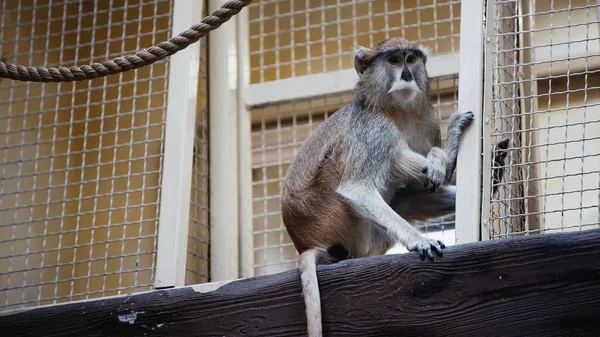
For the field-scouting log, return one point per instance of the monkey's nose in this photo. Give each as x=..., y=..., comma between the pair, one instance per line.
x=406, y=76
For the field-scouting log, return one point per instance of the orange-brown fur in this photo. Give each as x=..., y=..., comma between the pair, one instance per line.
x=313, y=212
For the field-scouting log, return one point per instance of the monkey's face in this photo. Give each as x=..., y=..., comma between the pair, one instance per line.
x=395, y=75
x=405, y=69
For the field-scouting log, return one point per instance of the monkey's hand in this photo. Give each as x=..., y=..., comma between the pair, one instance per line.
x=435, y=169
x=424, y=247
x=461, y=120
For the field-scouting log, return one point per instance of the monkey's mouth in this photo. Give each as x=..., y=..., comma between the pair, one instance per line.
x=405, y=92
x=404, y=89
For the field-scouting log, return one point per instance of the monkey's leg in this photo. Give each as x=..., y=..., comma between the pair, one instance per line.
x=456, y=127
x=423, y=205
x=369, y=204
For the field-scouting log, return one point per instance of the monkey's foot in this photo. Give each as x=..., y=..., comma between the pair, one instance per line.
x=424, y=246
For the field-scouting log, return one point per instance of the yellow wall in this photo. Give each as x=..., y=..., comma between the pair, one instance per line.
x=291, y=38
x=569, y=141
x=82, y=159
x=573, y=41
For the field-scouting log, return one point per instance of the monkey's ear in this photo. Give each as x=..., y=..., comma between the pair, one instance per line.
x=360, y=59
x=426, y=51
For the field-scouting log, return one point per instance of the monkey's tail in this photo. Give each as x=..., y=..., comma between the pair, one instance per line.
x=310, y=291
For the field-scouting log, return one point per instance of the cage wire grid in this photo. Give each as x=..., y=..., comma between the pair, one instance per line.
x=545, y=89
x=81, y=161
x=291, y=38
x=277, y=134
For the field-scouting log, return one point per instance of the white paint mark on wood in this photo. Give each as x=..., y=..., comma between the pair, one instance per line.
x=208, y=287
x=130, y=317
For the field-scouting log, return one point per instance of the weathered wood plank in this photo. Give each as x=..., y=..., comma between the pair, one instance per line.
x=542, y=285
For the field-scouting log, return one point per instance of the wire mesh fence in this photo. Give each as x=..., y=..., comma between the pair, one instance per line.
x=545, y=86
x=81, y=161
x=292, y=38
x=277, y=134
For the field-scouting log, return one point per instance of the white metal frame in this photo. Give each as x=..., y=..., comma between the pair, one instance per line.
x=598, y=15
x=246, y=235
x=331, y=83
x=486, y=160
x=470, y=97
x=223, y=153
x=179, y=141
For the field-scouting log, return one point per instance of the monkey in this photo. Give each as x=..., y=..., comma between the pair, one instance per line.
x=363, y=176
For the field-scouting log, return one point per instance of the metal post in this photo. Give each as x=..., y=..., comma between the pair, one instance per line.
x=178, y=153
x=245, y=149
x=470, y=92
x=223, y=156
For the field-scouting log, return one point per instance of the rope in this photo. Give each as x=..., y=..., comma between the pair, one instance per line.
x=125, y=63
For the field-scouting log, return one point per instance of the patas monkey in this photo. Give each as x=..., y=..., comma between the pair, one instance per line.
x=362, y=177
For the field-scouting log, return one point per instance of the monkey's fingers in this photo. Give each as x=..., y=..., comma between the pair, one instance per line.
x=442, y=245
x=430, y=254
x=427, y=179
x=438, y=250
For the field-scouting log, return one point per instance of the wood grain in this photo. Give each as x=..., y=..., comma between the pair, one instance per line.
x=540, y=285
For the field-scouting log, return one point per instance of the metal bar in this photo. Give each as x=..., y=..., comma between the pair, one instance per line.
x=223, y=157
x=178, y=152
x=331, y=83
x=470, y=97
x=246, y=237
x=598, y=17
x=487, y=107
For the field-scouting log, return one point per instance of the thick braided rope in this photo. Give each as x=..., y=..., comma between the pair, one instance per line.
x=140, y=59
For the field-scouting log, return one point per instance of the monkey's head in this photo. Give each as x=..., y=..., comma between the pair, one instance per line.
x=392, y=73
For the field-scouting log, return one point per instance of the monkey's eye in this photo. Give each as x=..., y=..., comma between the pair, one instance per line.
x=411, y=59
x=394, y=60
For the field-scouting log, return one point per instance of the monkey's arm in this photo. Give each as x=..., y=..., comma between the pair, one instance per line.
x=367, y=201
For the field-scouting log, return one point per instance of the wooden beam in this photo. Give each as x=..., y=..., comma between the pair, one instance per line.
x=539, y=285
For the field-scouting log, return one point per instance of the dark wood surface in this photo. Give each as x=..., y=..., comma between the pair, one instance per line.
x=541, y=285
